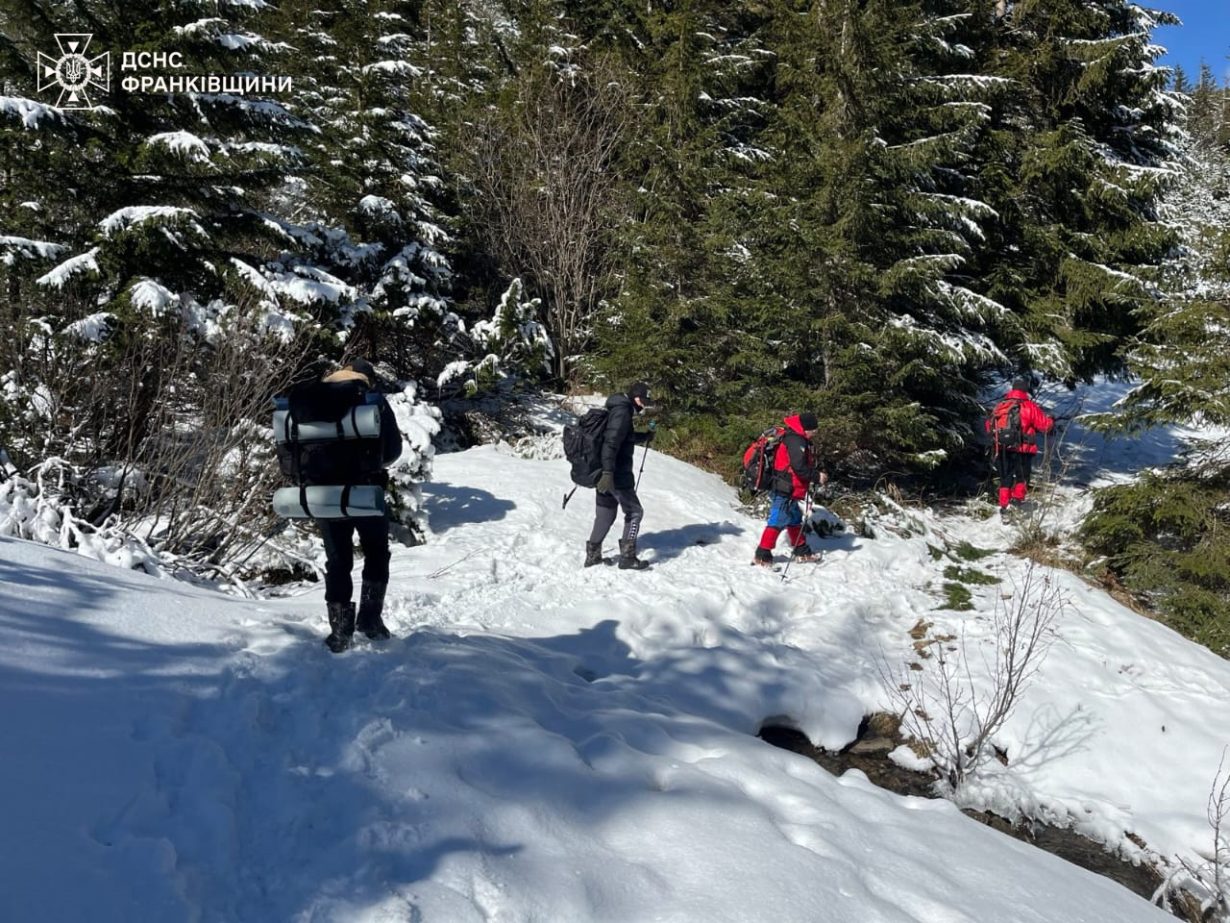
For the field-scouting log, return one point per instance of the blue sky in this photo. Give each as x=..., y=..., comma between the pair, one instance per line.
x=1205, y=33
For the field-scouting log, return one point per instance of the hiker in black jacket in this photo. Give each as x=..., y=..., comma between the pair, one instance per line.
x=616, y=487
x=359, y=376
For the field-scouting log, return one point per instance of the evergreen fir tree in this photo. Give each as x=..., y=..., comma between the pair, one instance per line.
x=368, y=206
x=1086, y=138
x=150, y=340
x=687, y=316
x=1205, y=111
x=1182, y=356
x=1165, y=537
x=1179, y=82
x=876, y=219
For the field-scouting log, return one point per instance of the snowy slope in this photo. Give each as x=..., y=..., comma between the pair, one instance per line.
x=542, y=742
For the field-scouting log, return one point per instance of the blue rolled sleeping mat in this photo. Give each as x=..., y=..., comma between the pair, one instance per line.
x=362, y=422
x=327, y=502
x=341, y=501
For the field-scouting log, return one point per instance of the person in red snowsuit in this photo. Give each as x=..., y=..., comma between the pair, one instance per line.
x=1015, y=461
x=794, y=471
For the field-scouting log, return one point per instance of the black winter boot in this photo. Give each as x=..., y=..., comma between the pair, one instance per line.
x=627, y=556
x=341, y=626
x=593, y=553
x=763, y=557
x=803, y=553
x=371, y=604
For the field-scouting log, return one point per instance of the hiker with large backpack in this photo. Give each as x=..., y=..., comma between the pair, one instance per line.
x=1014, y=424
x=616, y=484
x=336, y=437
x=784, y=461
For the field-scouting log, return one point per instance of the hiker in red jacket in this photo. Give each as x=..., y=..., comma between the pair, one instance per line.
x=1014, y=424
x=794, y=471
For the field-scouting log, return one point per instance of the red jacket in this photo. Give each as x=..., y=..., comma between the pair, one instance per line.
x=794, y=466
x=1033, y=421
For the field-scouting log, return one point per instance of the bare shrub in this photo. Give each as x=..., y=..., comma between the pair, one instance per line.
x=160, y=431
x=545, y=173
x=951, y=715
x=1207, y=881
x=208, y=462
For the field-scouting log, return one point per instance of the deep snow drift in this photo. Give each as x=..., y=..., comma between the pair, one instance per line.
x=546, y=743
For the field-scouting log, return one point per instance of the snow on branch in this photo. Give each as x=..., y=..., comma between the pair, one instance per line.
x=31, y=114
x=83, y=263
x=13, y=249
x=133, y=215
x=181, y=143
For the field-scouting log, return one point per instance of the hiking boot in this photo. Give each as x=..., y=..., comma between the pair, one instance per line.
x=763, y=557
x=804, y=555
x=593, y=553
x=371, y=604
x=1005, y=513
x=341, y=626
x=627, y=556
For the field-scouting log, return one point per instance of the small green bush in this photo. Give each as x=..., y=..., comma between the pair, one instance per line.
x=957, y=597
x=967, y=552
x=1166, y=538
x=969, y=575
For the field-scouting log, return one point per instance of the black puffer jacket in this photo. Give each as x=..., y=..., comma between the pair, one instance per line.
x=620, y=440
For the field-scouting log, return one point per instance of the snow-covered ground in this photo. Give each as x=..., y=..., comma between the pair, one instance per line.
x=1087, y=458
x=542, y=742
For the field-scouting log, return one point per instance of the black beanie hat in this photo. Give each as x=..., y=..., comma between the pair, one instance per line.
x=808, y=420
x=641, y=390
x=1020, y=383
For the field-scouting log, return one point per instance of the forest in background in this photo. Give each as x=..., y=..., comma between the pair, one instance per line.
x=872, y=208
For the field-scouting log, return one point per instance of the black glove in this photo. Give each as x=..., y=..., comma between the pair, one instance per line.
x=606, y=482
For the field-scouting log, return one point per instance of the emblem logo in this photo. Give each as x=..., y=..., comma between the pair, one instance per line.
x=74, y=72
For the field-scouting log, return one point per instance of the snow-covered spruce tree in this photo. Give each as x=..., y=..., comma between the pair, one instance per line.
x=466, y=50
x=1165, y=536
x=1207, y=111
x=366, y=209
x=876, y=217
x=512, y=345
x=142, y=340
x=418, y=422
x=687, y=316
x=1081, y=148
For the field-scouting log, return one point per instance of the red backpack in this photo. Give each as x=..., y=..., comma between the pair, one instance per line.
x=758, y=460
x=1006, y=425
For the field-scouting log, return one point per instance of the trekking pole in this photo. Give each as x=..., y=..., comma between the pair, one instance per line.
x=567, y=497
x=653, y=426
x=642, y=471
x=802, y=534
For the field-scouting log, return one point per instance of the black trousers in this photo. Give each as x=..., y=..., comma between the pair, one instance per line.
x=1015, y=468
x=339, y=553
x=606, y=506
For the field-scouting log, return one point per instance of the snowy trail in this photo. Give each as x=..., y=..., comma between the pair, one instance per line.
x=540, y=741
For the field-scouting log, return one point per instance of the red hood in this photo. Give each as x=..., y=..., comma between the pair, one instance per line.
x=792, y=423
x=1016, y=395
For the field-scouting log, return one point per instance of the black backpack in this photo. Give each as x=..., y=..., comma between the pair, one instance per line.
x=583, y=446
x=1005, y=425
x=334, y=461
